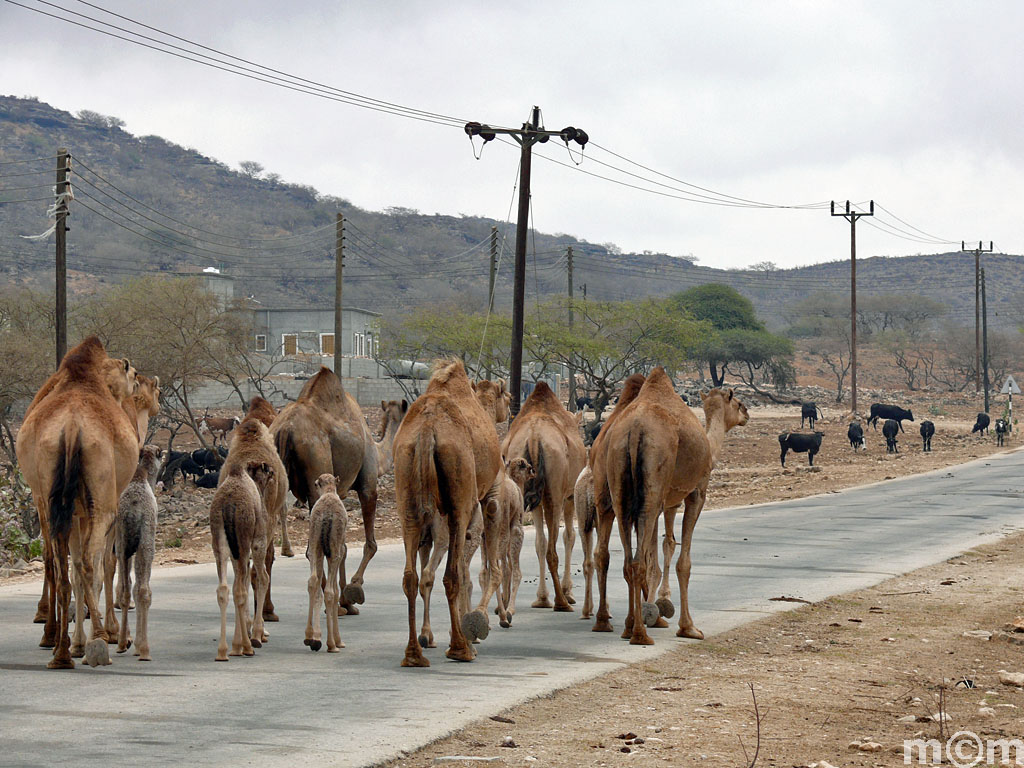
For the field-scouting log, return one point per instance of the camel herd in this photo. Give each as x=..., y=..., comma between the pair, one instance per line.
x=457, y=489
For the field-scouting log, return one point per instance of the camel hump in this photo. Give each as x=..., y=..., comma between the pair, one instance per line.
x=631, y=388
x=541, y=399
x=67, y=480
x=658, y=382
x=325, y=386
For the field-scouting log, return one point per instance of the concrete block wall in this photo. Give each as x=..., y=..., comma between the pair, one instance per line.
x=368, y=392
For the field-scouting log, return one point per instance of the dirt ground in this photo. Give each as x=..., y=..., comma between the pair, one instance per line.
x=839, y=683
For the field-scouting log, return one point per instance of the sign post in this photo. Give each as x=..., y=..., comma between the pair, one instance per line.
x=1010, y=388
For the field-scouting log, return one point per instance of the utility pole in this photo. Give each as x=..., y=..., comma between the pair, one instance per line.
x=572, y=368
x=984, y=338
x=61, y=263
x=531, y=133
x=852, y=217
x=977, y=308
x=339, y=266
x=494, y=269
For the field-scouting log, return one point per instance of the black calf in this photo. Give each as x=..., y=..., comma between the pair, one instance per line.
x=894, y=412
x=890, y=429
x=927, y=430
x=856, y=435
x=981, y=425
x=810, y=412
x=1002, y=427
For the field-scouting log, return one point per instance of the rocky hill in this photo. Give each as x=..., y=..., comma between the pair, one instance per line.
x=143, y=204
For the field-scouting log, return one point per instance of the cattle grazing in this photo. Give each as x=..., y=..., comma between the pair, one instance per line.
x=135, y=539
x=1002, y=427
x=894, y=412
x=856, y=435
x=328, y=521
x=800, y=443
x=218, y=427
x=208, y=459
x=186, y=466
x=890, y=429
x=209, y=480
x=981, y=425
x=811, y=413
x=927, y=430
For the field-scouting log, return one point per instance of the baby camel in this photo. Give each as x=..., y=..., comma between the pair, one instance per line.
x=135, y=537
x=328, y=521
x=510, y=530
x=239, y=527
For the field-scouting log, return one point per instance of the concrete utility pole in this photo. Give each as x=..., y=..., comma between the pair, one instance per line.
x=61, y=262
x=572, y=368
x=852, y=217
x=339, y=267
x=977, y=309
x=984, y=338
x=531, y=133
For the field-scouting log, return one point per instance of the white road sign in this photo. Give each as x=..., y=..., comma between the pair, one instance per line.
x=1010, y=387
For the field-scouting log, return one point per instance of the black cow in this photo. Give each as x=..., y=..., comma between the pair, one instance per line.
x=894, y=412
x=583, y=402
x=208, y=459
x=1002, y=427
x=186, y=466
x=590, y=431
x=927, y=430
x=800, y=443
x=981, y=425
x=810, y=412
x=856, y=435
x=209, y=480
x=890, y=429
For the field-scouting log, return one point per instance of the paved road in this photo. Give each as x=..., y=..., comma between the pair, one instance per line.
x=288, y=706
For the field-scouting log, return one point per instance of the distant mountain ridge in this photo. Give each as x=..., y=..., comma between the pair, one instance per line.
x=187, y=210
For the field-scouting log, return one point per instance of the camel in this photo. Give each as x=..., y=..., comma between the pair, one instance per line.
x=587, y=517
x=656, y=457
x=146, y=401
x=239, y=528
x=548, y=437
x=324, y=432
x=78, y=450
x=447, y=462
x=251, y=443
x=494, y=398
x=135, y=538
x=517, y=474
x=328, y=521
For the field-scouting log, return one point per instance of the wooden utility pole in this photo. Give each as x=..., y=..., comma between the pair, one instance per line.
x=61, y=263
x=572, y=368
x=984, y=338
x=852, y=216
x=493, y=270
x=531, y=133
x=339, y=267
x=977, y=308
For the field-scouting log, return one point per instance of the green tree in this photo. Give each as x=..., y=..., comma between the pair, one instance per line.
x=26, y=352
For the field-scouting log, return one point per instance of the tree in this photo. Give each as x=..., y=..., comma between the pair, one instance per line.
x=26, y=353
x=251, y=168
x=764, y=266
x=825, y=318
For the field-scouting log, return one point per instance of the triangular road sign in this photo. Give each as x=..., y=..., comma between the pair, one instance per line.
x=1010, y=387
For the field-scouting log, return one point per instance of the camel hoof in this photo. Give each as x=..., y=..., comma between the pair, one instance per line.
x=415, y=661
x=255, y=642
x=665, y=607
x=460, y=654
x=643, y=639
x=77, y=651
x=603, y=625
x=147, y=657
x=335, y=649
x=60, y=663
x=40, y=617
x=96, y=653
x=570, y=598
x=661, y=623
x=691, y=632
x=248, y=652
x=504, y=623
x=353, y=593
x=475, y=625
x=221, y=658
x=314, y=645
x=127, y=645
x=563, y=608
x=541, y=602
x=649, y=614
x=270, y=616
x=349, y=610
x=47, y=642
x=287, y=552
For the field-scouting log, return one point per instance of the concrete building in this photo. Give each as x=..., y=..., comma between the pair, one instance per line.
x=298, y=331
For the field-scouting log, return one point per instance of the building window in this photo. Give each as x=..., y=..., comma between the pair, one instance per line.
x=326, y=343
x=290, y=343
x=261, y=342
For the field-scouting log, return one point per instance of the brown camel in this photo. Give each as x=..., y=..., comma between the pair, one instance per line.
x=328, y=521
x=586, y=510
x=78, y=450
x=324, y=432
x=510, y=544
x=656, y=456
x=494, y=398
x=548, y=437
x=251, y=443
x=447, y=462
x=146, y=401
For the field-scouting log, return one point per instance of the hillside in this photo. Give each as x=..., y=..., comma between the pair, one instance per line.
x=144, y=204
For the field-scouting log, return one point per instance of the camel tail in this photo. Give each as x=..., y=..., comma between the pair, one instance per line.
x=325, y=539
x=633, y=484
x=438, y=478
x=534, y=488
x=292, y=466
x=67, y=483
x=230, y=533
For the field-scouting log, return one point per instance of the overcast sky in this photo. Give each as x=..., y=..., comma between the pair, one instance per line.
x=916, y=104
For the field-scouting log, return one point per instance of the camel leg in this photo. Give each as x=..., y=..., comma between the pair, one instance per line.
x=78, y=636
x=551, y=519
x=476, y=626
x=602, y=622
x=61, y=603
x=241, y=645
x=220, y=554
x=353, y=592
x=694, y=505
x=429, y=571
x=540, y=543
x=626, y=537
x=259, y=548
x=124, y=586
x=410, y=585
x=474, y=535
x=268, y=604
x=286, y=543
x=93, y=559
x=334, y=643
x=109, y=568
x=43, y=607
x=587, y=542
x=459, y=649
x=49, y=638
x=143, y=600
x=315, y=587
x=569, y=538
x=515, y=575
x=668, y=549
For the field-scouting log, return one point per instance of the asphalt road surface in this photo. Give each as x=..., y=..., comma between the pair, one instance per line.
x=287, y=706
